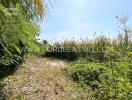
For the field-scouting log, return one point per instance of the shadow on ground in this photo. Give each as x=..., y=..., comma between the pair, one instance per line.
x=4, y=72
x=2, y=94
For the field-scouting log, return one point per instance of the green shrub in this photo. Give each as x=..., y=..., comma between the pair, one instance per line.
x=109, y=80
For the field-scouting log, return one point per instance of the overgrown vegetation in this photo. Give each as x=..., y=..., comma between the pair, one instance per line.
x=102, y=68
x=18, y=30
x=104, y=65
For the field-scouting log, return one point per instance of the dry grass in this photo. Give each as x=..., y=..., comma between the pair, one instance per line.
x=41, y=79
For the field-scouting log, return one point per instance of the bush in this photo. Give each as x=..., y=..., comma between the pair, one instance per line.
x=109, y=80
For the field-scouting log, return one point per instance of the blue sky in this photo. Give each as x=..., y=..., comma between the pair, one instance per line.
x=82, y=18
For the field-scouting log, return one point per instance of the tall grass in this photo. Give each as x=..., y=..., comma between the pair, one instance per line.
x=90, y=49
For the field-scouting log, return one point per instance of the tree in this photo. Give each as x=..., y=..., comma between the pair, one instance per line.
x=18, y=31
x=33, y=8
x=125, y=31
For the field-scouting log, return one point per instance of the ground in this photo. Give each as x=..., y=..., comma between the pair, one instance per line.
x=40, y=79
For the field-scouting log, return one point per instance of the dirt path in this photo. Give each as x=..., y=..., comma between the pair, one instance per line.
x=39, y=79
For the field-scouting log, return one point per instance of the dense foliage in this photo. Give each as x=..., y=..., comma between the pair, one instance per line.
x=18, y=29
x=103, y=65
x=108, y=80
x=89, y=49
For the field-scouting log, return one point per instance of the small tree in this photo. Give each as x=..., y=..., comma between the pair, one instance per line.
x=124, y=30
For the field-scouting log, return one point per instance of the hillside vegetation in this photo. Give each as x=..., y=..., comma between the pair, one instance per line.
x=98, y=69
x=103, y=65
x=18, y=31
